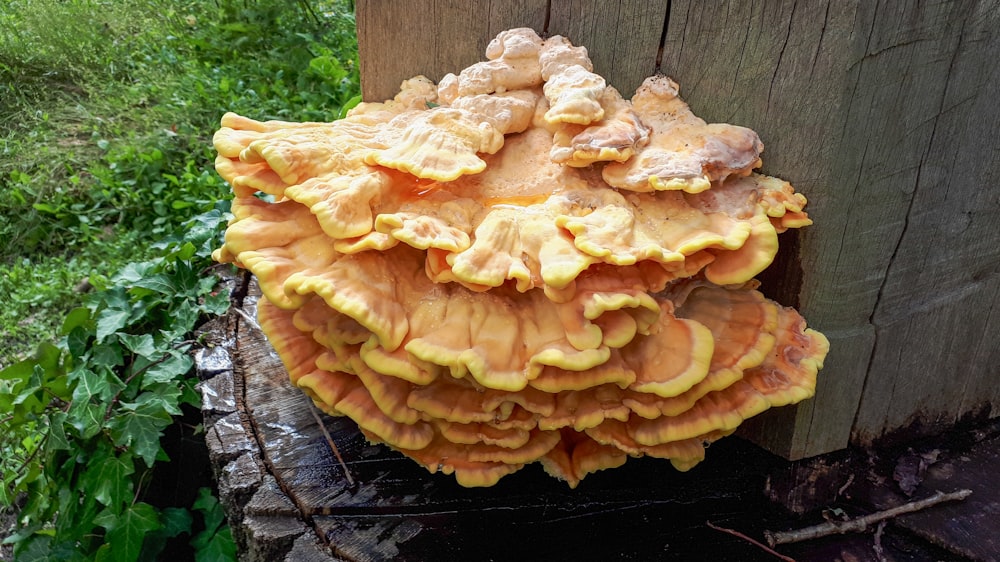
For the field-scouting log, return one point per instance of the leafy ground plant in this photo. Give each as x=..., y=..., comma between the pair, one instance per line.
x=90, y=412
x=106, y=116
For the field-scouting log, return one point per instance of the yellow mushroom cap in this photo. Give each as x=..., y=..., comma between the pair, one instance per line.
x=684, y=152
x=519, y=265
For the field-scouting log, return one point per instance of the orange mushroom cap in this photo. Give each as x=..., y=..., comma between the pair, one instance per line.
x=683, y=152
x=518, y=265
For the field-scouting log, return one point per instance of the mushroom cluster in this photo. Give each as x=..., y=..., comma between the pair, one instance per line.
x=519, y=265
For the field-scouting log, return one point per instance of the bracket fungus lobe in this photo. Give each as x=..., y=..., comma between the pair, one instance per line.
x=519, y=265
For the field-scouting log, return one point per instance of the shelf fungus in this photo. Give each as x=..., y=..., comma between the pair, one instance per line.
x=519, y=265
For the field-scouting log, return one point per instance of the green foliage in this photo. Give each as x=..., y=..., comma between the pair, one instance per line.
x=106, y=114
x=85, y=416
x=215, y=542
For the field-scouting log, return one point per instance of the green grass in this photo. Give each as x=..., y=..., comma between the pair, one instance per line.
x=107, y=108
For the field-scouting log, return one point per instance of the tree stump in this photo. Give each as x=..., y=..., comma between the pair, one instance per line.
x=288, y=499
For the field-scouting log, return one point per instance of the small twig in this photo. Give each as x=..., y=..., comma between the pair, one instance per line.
x=250, y=320
x=879, y=549
x=754, y=542
x=329, y=440
x=850, y=480
x=27, y=461
x=861, y=523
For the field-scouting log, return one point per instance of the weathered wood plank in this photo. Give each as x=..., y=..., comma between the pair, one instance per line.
x=401, y=39
x=933, y=362
x=508, y=14
x=622, y=38
x=847, y=99
x=983, y=393
x=407, y=30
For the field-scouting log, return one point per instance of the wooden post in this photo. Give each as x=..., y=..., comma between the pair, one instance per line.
x=884, y=115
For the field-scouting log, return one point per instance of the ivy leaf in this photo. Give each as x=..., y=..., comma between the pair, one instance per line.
x=160, y=397
x=77, y=509
x=133, y=272
x=36, y=510
x=159, y=283
x=183, y=319
x=177, y=365
x=210, y=509
x=127, y=531
x=109, y=321
x=18, y=371
x=141, y=345
x=176, y=521
x=138, y=427
x=88, y=384
x=189, y=393
x=100, y=385
x=107, y=355
x=37, y=548
x=57, y=440
x=186, y=251
x=12, y=379
x=77, y=318
x=219, y=548
x=32, y=386
x=113, y=297
x=87, y=418
x=206, y=284
x=217, y=303
x=107, y=478
x=115, y=311
x=47, y=355
x=215, y=542
x=76, y=341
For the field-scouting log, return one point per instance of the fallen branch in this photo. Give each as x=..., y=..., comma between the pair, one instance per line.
x=754, y=542
x=861, y=523
x=333, y=446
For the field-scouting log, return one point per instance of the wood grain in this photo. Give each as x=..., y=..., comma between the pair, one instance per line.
x=878, y=114
x=622, y=37
x=770, y=66
x=401, y=39
x=940, y=284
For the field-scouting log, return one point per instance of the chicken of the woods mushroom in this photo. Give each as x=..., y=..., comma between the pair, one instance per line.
x=519, y=265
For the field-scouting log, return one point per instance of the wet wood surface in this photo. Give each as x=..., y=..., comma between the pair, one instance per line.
x=883, y=113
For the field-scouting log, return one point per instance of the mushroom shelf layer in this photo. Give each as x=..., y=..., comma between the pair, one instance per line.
x=519, y=265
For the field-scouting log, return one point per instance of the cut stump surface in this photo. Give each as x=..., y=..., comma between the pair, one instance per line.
x=288, y=499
